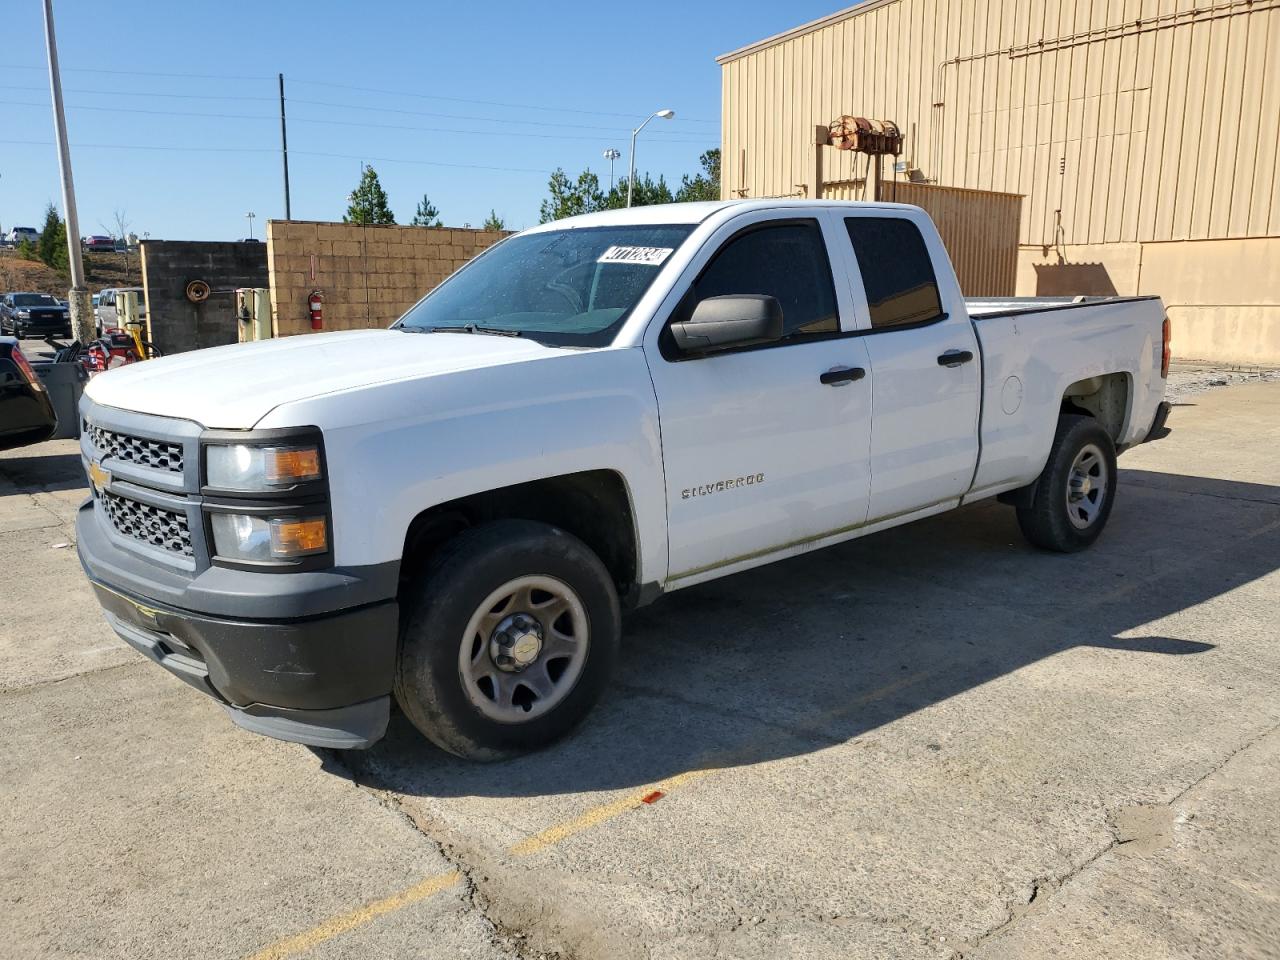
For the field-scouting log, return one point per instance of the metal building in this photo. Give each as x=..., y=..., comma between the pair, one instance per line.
x=1143, y=134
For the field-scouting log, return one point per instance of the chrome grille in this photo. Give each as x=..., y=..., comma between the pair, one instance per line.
x=147, y=524
x=156, y=454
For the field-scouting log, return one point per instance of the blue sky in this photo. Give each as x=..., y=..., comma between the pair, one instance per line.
x=173, y=114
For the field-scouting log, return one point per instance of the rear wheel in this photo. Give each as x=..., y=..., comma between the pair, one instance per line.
x=1076, y=489
x=509, y=641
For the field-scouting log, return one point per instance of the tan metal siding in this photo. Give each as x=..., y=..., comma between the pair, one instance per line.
x=1120, y=120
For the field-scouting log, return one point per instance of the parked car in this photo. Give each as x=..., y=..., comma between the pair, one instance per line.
x=99, y=242
x=34, y=315
x=591, y=413
x=105, y=312
x=26, y=413
x=18, y=234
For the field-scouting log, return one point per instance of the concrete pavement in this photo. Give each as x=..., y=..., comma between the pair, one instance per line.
x=932, y=742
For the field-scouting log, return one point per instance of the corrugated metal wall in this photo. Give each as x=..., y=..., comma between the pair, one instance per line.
x=1119, y=120
x=978, y=227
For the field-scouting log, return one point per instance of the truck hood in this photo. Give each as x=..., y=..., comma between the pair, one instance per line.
x=236, y=386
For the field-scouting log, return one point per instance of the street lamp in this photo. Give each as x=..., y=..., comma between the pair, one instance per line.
x=249, y=216
x=631, y=177
x=611, y=155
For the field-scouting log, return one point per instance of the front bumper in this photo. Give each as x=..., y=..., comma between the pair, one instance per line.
x=322, y=679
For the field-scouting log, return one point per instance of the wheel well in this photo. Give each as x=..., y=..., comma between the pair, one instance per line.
x=1104, y=397
x=593, y=506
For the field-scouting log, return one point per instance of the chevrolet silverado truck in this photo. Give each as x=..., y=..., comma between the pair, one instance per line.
x=452, y=513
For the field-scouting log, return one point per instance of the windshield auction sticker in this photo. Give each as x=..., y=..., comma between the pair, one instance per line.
x=648, y=256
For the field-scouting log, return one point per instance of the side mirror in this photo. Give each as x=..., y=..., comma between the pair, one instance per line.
x=730, y=321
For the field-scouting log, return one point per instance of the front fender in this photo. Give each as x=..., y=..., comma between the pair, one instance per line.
x=399, y=448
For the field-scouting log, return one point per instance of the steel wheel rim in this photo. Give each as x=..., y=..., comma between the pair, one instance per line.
x=521, y=692
x=1088, y=483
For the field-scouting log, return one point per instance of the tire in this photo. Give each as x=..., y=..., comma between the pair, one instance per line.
x=1076, y=489
x=467, y=670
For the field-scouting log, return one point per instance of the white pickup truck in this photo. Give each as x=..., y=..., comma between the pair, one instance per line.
x=453, y=512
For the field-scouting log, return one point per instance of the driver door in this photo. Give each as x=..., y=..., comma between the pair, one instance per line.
x=761, y=451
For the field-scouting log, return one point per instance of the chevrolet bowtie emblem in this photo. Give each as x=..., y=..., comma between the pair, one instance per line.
x=99, y=476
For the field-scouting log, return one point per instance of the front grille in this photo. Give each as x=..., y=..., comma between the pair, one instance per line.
x=147, y=524
x=145, y=453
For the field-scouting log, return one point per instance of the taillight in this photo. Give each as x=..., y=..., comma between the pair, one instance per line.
x=1165, y=353
x=25, y=367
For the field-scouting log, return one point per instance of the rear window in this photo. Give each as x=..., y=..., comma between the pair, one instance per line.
x=897, y=272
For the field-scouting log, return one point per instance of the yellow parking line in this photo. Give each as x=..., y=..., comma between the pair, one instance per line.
x=356, y=918
x=429, y=887
x=598, y=815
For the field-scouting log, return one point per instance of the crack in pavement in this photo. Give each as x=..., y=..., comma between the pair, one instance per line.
x=40, y=684
x=1043, y=889
x=488, y=897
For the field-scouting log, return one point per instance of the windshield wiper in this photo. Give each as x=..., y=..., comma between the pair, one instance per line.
x=472, y=328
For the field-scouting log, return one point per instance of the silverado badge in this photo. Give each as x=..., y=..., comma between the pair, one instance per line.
x=99, y=476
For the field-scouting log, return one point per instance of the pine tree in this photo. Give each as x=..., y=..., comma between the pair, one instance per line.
x=427, y=215
x=368, y=202
x=494, y=222
x=52, y=245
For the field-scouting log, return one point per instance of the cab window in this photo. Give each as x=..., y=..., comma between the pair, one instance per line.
x=897, y=272
x=787, y=261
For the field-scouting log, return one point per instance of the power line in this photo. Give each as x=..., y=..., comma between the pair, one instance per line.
x=345, y=106
x=487, y=103
x=144, y=73
x=143, y=93
x=668, y=138
x=309, y=153
x=344, y=86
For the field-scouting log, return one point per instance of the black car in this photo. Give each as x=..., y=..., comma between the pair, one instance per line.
x=33, y=315
x=26, y=413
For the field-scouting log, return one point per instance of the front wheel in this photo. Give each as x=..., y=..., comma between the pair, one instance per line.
x=1076, y=489
x=509, y=640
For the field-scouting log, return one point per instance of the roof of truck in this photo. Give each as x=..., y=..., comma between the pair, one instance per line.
x=662, y=213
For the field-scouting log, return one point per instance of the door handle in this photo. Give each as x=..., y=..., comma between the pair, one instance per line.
x=842, y=375
x=953, y=358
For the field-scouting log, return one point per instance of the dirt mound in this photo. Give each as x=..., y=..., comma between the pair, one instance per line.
x=103, y=270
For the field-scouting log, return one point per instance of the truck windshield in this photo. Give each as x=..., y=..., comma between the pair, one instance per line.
x=33, y=300
x=562, y=287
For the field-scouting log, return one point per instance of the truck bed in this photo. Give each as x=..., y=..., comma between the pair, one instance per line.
x=981, y=308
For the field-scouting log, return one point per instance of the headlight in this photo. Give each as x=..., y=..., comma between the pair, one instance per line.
x=251, y=469
x=238, y=536
x=23, y=314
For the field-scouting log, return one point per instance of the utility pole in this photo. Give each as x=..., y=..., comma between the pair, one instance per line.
x=82, y=326
x=284, y=152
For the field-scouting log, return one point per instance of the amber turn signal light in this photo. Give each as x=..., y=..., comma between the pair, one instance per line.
x=291, y=464
x=299, y=538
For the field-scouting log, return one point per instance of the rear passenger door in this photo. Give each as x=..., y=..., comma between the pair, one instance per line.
x=925, y=363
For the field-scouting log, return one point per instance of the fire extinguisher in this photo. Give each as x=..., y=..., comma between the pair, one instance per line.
x=315, y=303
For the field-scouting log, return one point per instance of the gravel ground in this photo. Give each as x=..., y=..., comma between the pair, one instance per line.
x=1189, y=379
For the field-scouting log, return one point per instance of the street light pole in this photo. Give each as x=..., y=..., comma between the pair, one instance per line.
x=82, y=327
x=631, y=176
x=611, y=155
x=249, y=216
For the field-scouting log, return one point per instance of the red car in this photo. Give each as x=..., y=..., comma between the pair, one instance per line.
x=99, y=243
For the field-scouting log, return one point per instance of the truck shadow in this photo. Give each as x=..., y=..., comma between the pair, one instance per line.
x=47, y=472
x=827, y=647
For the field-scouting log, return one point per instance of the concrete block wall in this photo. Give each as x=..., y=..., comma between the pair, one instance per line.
x=175, y=323
x=369, y=275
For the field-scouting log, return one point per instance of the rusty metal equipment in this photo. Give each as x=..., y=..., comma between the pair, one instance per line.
x=875, y=138
x=864, y=135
